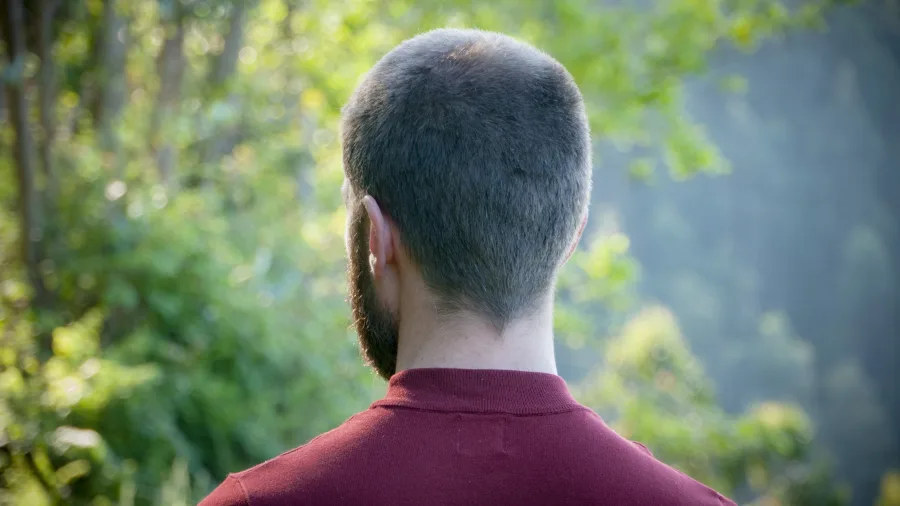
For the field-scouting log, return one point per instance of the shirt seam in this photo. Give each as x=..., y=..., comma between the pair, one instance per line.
x=567, y=409
x=243, y=489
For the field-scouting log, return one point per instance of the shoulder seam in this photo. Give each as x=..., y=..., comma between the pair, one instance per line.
x=243, y=489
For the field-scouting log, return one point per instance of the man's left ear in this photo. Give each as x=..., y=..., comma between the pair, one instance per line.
x=381, y=244
x=577, y=238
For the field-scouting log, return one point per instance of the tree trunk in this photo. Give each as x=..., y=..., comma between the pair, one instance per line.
x=47, y=86
x=2, y=96
x=224, y=66
x=303, y=165
x=226, y=62
x=111, y=52
x=170, y=68
x=3, y=16
x=30, y=219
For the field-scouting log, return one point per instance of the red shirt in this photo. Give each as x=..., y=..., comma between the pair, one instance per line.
x=467, y=437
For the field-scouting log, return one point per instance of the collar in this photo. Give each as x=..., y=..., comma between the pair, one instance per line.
x=479, y=391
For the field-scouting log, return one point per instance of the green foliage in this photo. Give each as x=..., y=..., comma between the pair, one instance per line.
x=890, y=489
x=654, y=391
x=44, y=455
x=193, y=242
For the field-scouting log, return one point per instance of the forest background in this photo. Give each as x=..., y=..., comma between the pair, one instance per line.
x=171, y=254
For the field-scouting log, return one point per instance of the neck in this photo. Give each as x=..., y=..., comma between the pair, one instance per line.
x=467, y=342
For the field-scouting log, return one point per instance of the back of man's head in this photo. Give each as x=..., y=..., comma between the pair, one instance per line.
x=477, y=147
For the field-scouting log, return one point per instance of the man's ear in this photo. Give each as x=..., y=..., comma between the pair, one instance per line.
x=381, y=244
x=577, y=237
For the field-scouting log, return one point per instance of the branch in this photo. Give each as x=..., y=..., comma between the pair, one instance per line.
x=287, y=30
x=48, y=486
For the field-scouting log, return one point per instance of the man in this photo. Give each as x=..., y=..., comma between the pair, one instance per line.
x=467, y=162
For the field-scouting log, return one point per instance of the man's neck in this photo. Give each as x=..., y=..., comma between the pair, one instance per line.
x=467, y=342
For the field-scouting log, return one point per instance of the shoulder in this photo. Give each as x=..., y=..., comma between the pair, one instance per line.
x=644, y=479
x=672, y=487
x=694, y=493
x=230, y=493
x=291, y=476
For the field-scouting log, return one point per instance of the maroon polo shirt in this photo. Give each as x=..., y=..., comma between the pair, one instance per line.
x=467, y=437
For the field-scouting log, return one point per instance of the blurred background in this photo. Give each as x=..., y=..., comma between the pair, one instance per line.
x=171, y=254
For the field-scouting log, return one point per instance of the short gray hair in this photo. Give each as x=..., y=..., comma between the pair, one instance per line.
x=477, y=146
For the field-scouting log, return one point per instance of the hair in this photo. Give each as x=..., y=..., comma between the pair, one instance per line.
x=477, y=147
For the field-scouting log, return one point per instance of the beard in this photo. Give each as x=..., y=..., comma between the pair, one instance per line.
x=377, y=328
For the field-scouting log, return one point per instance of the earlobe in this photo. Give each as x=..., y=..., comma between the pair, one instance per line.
x=374, y=252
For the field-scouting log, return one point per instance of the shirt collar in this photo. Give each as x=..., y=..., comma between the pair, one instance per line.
x=479, y=391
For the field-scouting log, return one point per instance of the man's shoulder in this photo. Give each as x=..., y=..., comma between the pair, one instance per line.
x=278, y=480
x=672, y=487
x=631, y=468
